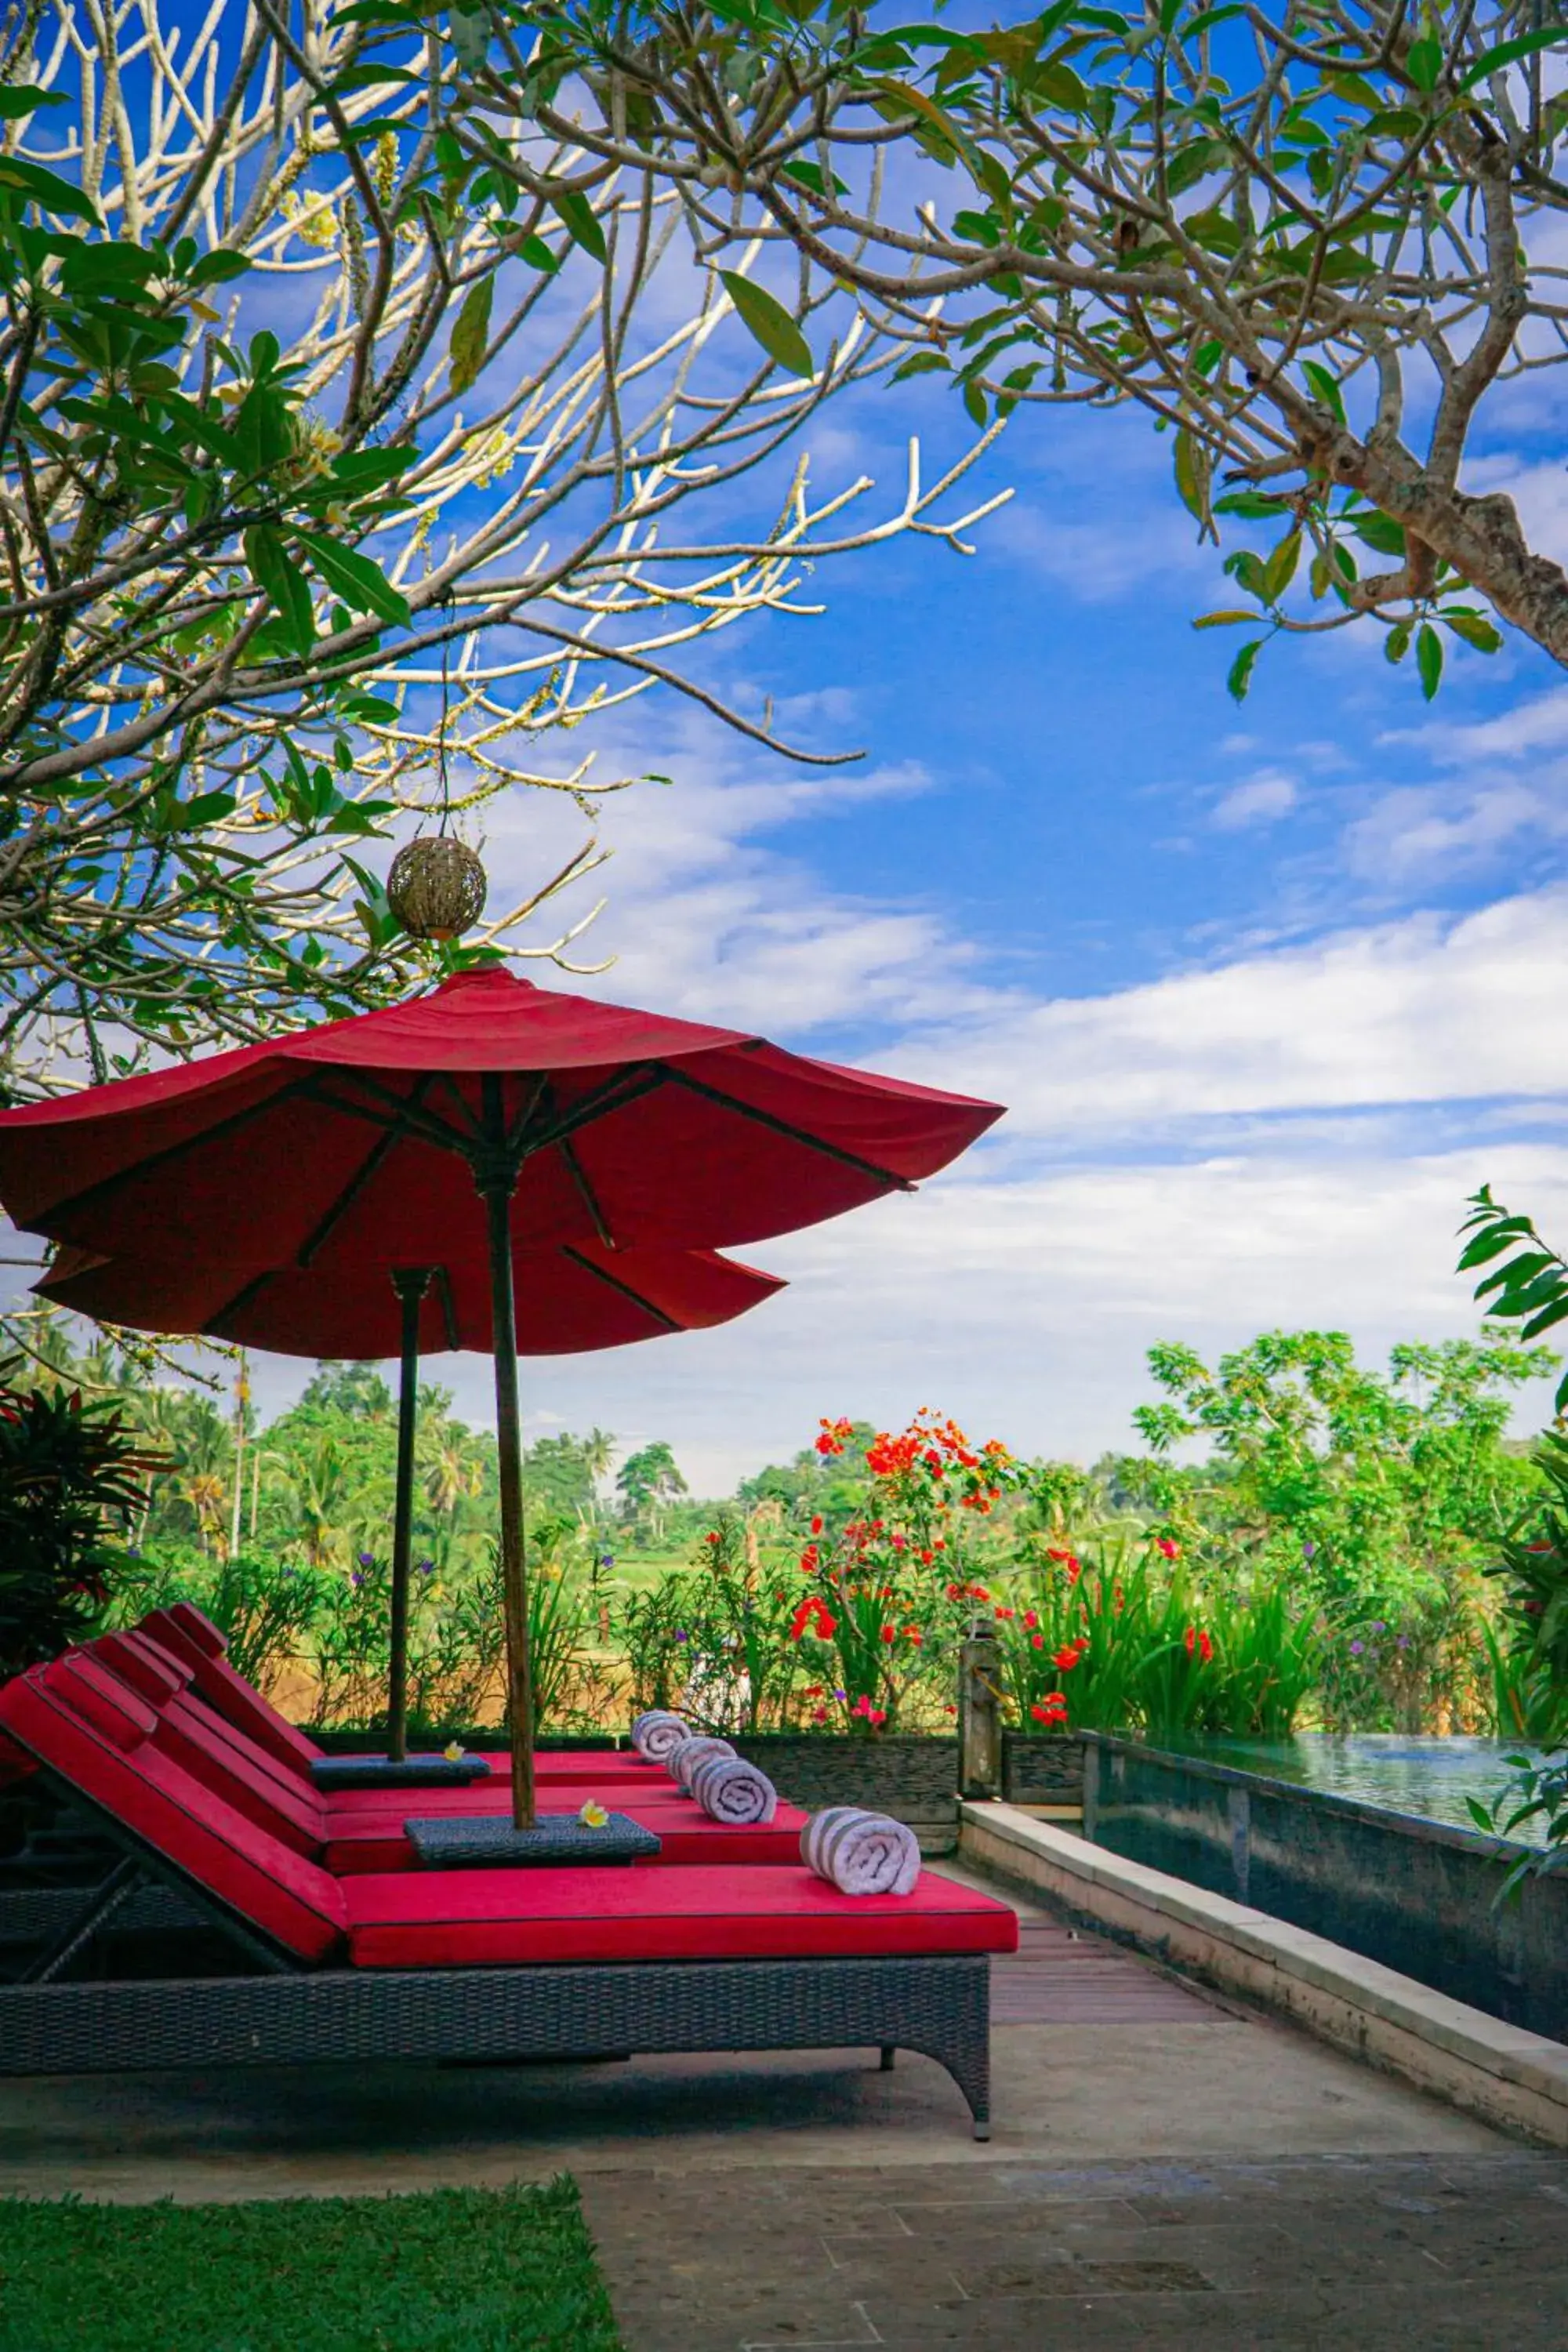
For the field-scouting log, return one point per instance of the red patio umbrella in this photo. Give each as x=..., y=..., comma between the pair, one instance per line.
x=342, y=1146
x=577, y=1298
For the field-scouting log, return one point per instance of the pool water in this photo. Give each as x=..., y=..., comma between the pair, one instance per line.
x=1408, y=1773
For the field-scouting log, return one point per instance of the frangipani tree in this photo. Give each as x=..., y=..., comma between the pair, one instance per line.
x=305, y=404
x=1314, y=241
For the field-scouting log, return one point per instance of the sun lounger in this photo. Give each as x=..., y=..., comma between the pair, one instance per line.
x=186, y=1635
x=474, y=1964
x=355, y=1831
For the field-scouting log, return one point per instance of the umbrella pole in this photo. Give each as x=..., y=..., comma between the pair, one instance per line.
x=497, y=1189
x=410, y=1283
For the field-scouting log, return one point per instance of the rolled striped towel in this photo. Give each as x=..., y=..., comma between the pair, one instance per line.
x=861, y=1853
x=730, y=1789
x=655, y=1733
x=685, y=1760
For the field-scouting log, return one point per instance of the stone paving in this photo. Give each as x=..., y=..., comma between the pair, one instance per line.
x=1407, y=2254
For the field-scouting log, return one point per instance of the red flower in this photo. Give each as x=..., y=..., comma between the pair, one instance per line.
x=1030, y=1619
x=1052, y=1709
x=819, y=1714
x=1006, y=1612
x=1065, y=1659
x=816, y=1525
x=1171, y=1550
x=890, y=1633
x=812, y=1616
x=812, y=1690
x=1037, y=1640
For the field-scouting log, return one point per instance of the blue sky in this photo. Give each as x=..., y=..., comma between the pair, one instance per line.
x=1268, y=991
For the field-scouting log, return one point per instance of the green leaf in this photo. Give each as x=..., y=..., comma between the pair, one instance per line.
x=1194, y=470
x=1222, y=620
x=810, y=175
x=362, y=584
x=207, y=808
x=920, y=364
x=769, y=323
x=47, y=190
x=1280, y=568
x=1380, y=534
x=1429, y=658
x=282, y=583
x=537, y=253
x=1396, y=645
x=1240, y=676
x=1326, y=388
x=1556, y=1313
x=1474, y=631
x=470, y=333
x=24, y=99
x=1508, y=53
x=1424, y=63
x=576, y=217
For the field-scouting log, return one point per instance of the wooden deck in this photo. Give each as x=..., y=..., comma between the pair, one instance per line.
x=1060, y=1976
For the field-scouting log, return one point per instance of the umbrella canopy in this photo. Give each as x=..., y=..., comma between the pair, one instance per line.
x=579, y=1297
x=605, y=1124
x=345, y=1147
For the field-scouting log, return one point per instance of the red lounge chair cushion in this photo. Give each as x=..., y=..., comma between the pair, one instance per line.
x=489, y=1919
x=557, y=1794
x=361, y=1842
x=192, y=1622
x=150, y=1672
x=15, y=1762
x=287, y=1896
x=101, y=1699
x=215, y=1680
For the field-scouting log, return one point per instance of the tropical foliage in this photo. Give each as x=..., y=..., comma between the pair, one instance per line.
x=1314, y=246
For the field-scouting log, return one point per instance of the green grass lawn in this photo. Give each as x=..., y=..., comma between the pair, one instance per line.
x=458, y=2270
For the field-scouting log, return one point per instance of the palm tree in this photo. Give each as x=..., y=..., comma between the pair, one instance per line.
x=597, y=1450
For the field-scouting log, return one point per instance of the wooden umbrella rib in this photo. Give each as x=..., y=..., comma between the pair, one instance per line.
x=625, y=1087
x=783, y=1127
x=374, y=1160
x=404, y=1108
x=219, y=1128
x=449, y=1306
x=237, y=1305
x=626, y=1289
x=589, y=1197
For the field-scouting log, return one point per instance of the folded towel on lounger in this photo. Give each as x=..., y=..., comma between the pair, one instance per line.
x=657, y=1732
x=685, y=1761
x=730, y=1789
x=861, y=1853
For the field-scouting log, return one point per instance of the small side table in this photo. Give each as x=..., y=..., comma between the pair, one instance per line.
x=469, y=1841
x=330, y=1772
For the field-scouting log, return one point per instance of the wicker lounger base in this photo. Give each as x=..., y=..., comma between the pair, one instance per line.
x=940, y=2007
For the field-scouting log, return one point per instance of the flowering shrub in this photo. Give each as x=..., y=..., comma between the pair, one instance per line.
x=889, y=1595
x=1135, y=1642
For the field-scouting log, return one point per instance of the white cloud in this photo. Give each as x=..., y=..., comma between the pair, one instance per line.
x=1420, y=1011
x=1260, y=800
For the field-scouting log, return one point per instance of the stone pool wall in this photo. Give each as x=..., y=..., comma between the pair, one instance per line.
x=1416, y=1894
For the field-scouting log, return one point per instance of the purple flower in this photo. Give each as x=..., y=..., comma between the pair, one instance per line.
x=1356, y=1649
x=1404, y=1641
x=607, y=1559
x=367, y=1560
x=1308, y=1548
x=355, y=1578
x=291, y=1571
x=683, y=1636
x=426, y=1568
x=1379, y=1625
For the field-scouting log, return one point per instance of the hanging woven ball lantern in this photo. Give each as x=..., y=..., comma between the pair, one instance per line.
x=436, y=887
